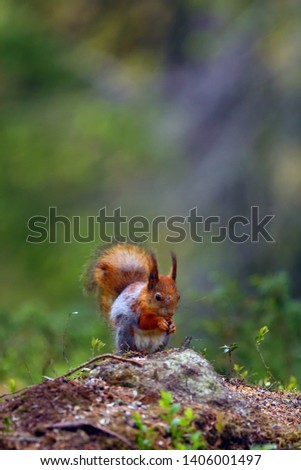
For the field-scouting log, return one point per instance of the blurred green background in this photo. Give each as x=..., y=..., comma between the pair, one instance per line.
x=157, y=107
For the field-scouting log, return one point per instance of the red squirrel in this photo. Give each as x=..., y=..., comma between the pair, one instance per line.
x=139, y=301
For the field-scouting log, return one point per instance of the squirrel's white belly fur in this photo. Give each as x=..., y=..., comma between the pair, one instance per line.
x=145, y=340
x=148, y=340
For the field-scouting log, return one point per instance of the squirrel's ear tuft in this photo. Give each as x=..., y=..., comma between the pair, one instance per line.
x=173, y=269
x=153, y=277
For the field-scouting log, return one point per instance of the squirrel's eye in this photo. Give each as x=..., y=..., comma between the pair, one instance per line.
x=158, y=297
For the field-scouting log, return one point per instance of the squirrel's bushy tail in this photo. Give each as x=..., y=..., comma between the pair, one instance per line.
x=116, y=268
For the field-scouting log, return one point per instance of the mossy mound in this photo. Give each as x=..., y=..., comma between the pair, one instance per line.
x=95, y=409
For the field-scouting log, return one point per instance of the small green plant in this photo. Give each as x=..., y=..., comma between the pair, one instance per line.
x=258, y=341
x=7, y=423
x=229, y=350
x=180, y=427
x=261, y=335
x=220, y=422
x=292, y=384
x=12, y=386
x=146, y=436
x=240, y=372
x=264, y=447
x=96, y=346
x=204, y=352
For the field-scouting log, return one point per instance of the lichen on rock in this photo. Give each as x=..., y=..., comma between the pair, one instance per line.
x=183, y=372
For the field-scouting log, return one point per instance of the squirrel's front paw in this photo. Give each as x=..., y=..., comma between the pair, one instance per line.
x=163, y=324
x=171, y=327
